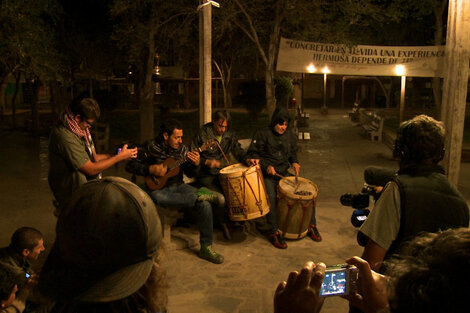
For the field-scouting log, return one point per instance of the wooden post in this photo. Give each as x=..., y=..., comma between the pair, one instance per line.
x=205, y=59
x=455, y=84
x=402, y=97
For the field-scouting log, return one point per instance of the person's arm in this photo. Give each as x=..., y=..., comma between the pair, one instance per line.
x=100, y=157
x=253, y=155
x=19, y=303
x=301, y=292
x=93, y=168
x=236, y=149
x=374, y=254
x=382, y=226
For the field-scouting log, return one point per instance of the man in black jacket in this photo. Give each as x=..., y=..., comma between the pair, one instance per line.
x=174, y=192
x=227, y=151
x=275, y=149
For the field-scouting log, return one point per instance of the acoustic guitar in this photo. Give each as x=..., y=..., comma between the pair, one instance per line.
x=173, y=168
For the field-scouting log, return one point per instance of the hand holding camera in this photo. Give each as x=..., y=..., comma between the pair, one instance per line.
x=126, y=153
x=301, y=292
x=372, y=288
x=305, y=292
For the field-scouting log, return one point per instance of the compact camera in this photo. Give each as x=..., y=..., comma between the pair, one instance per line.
x=130, y=145
x=339, y=280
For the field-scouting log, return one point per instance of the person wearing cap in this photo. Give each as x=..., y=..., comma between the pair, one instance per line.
x=175, y=193
x=104, y=258
x=228, y=151
x=72, y=155
x=274, y=148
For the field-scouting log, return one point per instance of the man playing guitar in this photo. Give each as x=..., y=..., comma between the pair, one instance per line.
x=175, y=193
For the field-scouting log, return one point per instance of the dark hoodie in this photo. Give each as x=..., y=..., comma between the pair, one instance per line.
x=272, y=148
x=229, y=144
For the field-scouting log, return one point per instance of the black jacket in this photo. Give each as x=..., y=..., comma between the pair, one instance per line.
x=156, y=152
x=229, y=144
x=278, y=150
x=428, y=202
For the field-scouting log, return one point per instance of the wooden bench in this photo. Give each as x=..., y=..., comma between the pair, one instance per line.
x=373, y=124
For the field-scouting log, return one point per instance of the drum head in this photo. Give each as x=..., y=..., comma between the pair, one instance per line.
x=304, y=189
x=237, y=168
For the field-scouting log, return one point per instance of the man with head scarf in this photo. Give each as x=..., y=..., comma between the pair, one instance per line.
x=72, y=155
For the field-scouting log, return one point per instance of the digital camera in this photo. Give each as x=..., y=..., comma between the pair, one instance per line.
x=339, y=280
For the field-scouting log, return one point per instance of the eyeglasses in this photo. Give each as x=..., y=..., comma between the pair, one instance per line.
x=88, y=123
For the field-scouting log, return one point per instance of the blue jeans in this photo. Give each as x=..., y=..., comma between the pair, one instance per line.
x=184, y=196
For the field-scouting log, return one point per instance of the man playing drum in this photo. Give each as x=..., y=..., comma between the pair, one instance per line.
x=152, y=161
x=228, y=149
x=275, y=149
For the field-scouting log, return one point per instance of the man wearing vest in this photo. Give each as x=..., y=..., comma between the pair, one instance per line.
x=419, y=198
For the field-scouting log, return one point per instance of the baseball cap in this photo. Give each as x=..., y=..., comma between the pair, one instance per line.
x=106, y=239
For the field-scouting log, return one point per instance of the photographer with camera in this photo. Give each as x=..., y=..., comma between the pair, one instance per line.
x=72, y=156
x=419, y=198
x=428, y=277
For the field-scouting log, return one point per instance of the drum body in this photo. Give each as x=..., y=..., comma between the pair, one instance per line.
x=244, y=190
x=295, y=206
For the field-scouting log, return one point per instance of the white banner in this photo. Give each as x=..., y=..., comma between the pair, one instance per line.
x=311, y=57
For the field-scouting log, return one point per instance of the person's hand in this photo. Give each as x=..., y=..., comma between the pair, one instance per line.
x=270, y=170
x=211, y=163
x=301, y=292
x=194, y=157
x=158, y=169
x=371, y=285
x=127, y=153
x=251, y=162
x=296, y=167
x=31, y=282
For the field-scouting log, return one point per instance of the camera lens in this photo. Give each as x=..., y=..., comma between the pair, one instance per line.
x=346, y=199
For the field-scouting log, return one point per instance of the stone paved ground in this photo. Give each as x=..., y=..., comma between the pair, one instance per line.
x=334, y=159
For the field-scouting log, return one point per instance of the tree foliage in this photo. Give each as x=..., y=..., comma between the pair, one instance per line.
x=27, y=37
x=143, y=28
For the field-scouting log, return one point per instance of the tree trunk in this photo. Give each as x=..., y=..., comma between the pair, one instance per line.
x=146, y=92
x=30, y=96
x=226, y=78
x=273, y=49
x=13, y=100
x=270, y=92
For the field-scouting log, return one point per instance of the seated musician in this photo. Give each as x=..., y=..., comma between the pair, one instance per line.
x=228, y=151
x=275, y=149
x=155, y=158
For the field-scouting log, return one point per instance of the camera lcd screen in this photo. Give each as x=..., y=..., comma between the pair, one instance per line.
x=334, y=283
